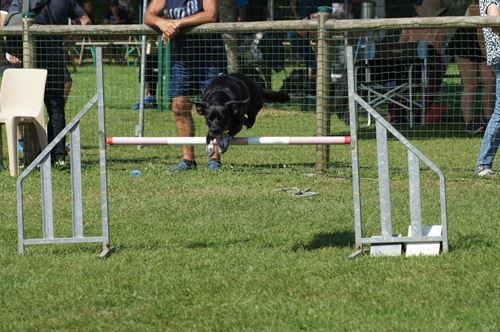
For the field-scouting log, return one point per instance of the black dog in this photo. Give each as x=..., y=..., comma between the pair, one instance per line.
x=230, y=102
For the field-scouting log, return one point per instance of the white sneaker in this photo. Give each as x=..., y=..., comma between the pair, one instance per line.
x=484, y=172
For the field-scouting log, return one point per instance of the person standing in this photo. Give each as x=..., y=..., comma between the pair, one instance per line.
x=468, y=48
x=195, y=62
x=4, y=8
x=50, y=55
x=491, y=139
x=89, y=10
x=116, y=14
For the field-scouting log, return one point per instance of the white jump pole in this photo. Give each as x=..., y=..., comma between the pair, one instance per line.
x=284, y=140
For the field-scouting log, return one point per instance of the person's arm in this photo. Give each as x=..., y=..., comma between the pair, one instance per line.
x=16, y=7
x=493, y=10
x=153, y=17
x=85, y=20
x=169, y=27
x=78, y=14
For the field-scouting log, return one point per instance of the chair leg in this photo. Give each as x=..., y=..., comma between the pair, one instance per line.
x=11, y=128
x=1, y=148
x=42, y=135
x=82, y=49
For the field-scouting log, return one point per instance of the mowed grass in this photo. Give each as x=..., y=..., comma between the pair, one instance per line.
x=225, y=251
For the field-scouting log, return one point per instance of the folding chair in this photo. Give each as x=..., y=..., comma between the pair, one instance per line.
x=21, y=101
x=401, y=92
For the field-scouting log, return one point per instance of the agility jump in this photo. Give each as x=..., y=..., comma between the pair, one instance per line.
x=284, y=140
x=421, y=239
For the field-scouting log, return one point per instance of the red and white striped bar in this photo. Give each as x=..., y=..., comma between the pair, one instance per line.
x=284, y=140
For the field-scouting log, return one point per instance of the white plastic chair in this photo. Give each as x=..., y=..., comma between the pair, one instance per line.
x=21, y=101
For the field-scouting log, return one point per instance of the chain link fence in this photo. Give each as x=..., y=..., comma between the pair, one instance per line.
x=427, y=76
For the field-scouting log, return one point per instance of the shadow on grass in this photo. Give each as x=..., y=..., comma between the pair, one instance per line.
x=300, y=166
x=470, y=241
x=203, y=245
x=327, y=240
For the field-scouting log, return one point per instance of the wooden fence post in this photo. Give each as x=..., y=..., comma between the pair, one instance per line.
x=322, y=90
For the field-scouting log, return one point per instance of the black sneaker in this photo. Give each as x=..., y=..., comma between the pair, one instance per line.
x=473, y=128
x=184, y=165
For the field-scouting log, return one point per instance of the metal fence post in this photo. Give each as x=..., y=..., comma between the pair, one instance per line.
x=163, y=90
x=139, y=129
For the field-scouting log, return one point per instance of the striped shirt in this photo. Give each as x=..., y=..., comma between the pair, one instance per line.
x=491, y=38
x=177, y=9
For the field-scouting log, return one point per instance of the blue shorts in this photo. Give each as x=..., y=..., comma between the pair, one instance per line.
x=188, y=81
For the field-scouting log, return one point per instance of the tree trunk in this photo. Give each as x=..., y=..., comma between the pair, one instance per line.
x=227, y=13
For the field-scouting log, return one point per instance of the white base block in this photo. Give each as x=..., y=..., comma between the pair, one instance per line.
x=425, y=249
x=386, y=249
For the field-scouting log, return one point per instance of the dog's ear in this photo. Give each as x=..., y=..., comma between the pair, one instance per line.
x=235, y=103
x=201, y=107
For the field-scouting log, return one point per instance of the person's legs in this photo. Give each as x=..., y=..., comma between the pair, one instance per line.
x=396, y=113
x=54, y=102
x=151, y=73
x=181, y=107
x=150, y=81
x=491, y=138
x=468, y=74
x=51, y=57
x=180, y=87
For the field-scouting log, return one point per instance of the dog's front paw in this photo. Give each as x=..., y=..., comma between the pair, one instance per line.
x=224, y=143
x=210, y=149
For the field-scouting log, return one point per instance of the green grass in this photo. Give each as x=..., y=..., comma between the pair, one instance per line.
x=224, y=251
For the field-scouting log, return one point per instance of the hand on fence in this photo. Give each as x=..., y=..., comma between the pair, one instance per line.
x=168, y=28
x=13, y=60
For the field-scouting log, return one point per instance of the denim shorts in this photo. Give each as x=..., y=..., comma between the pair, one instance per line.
x=188, y=80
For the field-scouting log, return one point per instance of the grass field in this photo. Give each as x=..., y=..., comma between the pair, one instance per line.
x=224, y=251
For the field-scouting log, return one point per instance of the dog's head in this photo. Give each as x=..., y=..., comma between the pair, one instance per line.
x=218, y=117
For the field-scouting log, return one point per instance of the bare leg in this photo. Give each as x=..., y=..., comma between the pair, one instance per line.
x=469, y=81
x=184, y=123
